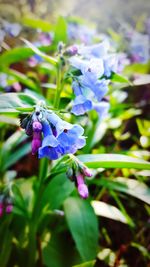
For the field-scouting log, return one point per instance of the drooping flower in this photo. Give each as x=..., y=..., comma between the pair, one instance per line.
x=52, y=136
x=102, y=109
x=50, y=146
x=81, y=105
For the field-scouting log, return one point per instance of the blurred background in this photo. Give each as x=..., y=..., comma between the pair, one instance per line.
x=103, y=12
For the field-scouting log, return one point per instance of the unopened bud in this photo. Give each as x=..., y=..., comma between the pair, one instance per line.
x=83, y=191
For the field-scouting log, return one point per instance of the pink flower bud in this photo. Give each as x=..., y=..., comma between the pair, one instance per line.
x=1, y=209
x=37, y=126
x=9, y=208
x=36, y=142
x=82, y=187
x=87, y=172
x=83, y=190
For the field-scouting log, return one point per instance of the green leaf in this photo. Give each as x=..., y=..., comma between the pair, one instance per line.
x=58, y=189
x=85, y=264
x=37, y=51
x=135, y=188
x=119, y=78
x=108, y=211
x=113, y=161
x=23, y=79
x=12, y=102
x=55, y=254
x=137, y=68
x=83, y=225
x=15, y=156
x=37, y=23
x=18, y=54
x=60, y=33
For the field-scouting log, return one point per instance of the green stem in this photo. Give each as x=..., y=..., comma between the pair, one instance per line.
x=34, y=244
x=59, y=87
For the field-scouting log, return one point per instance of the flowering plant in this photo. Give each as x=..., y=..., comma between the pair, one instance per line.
x=66, y=129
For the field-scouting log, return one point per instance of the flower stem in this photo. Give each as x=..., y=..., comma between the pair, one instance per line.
x=59, y=86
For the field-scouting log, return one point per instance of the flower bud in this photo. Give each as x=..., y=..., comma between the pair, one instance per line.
x=37, y=126
x=1, y=209
x=83, y=190
x=36, y=142
x=87, y=172
x=9, y=208
x=82, y=187
x=71, y=51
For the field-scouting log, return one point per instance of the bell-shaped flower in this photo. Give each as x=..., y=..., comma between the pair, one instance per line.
x=98, y=87
x=81, y=105
x=99, y=50
x=102, y=109
x=50, y=146
x=72, y=139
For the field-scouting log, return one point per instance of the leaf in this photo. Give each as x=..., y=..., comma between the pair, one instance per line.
x=135, y=188
x=23, y=79
x=114, y=161
x=108, y=211
x=60, y=33
x=37, y=23
x=15, y=156
x=36, y=50
x=83, y=225
x=58, y=189
x=55, y=254
x=128, y=186
x=18, y=54
x=137, y=68
x=85, y=264
x=119, y=78
x=11, y=102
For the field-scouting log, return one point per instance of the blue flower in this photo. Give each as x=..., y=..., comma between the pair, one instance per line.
x=50, y=146
x=98, y=87
x=94, y=66
x=102, y=109
x=60, y=137
x=97, y=50
x=81, y=105
x=110, y=65
x=71, y=140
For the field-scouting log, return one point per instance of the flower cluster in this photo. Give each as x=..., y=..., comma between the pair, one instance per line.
x=52, y=137
x=92, y=68
x=76, y=172
x=5, y=205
